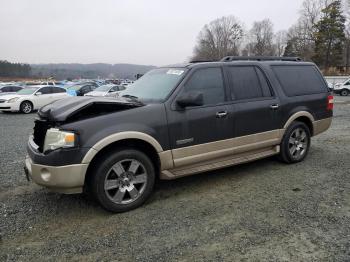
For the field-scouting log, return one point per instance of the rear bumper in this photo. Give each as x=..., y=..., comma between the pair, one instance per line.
x=64, y=179
x=321, y=126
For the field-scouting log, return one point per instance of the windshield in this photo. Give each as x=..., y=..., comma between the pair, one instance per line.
x=156, y=85
x=103, y=88
x=26, y=91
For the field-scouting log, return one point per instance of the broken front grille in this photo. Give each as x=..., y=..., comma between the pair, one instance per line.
x=40, y=128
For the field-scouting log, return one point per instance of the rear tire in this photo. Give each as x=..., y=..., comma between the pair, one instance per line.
x=26, y=107
x=295, y=143
x=122, y=180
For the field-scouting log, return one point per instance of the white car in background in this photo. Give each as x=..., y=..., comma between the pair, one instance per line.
x=105, y=90
x=31, y=98
x=342, y=89
x=9, y=89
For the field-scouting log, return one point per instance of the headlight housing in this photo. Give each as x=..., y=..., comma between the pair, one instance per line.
x=12, y=100
x=56, y=138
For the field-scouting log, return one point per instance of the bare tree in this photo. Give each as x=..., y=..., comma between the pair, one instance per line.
x=262, y=38
x=219, y=38
x=347, y=34
x=280, y=42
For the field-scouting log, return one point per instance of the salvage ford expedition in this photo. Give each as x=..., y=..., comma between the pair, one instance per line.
x=177, y=121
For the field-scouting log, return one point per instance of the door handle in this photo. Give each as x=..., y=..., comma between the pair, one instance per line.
x=274, y=106
x=221, y=114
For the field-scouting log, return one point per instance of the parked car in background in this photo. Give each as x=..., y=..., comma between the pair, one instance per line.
x=9, y=89
x=105, y=90
x=342, y=89
x=31, y=98
x=81, y=89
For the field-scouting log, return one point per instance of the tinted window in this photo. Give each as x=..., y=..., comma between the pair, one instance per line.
x=6, y=89
x=16, y=88
x=209, y=82
x=263, y=83
x=45, y=90
x=248, y=82
x=58, y=90
x=299, y=80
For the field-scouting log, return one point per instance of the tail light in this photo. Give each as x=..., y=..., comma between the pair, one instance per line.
x=330, y=103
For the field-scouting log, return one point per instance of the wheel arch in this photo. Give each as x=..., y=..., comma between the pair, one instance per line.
x=27, y=100
x=140, y=141
x=302, y=116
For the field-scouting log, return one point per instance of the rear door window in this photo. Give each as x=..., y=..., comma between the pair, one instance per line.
x=248, y=82
x=58, y=90
x=297, y=80
x=45, y=90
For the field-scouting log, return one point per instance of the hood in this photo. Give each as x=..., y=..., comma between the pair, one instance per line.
x=9, y=96
x=6, y=93
x=77, y=108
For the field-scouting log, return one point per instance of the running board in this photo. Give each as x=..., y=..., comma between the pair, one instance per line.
x=219, y=163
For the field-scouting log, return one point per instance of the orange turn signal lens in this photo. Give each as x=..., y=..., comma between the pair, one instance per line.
x=69, y=138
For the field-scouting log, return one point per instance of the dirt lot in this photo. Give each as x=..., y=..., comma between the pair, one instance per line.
x=265, y=210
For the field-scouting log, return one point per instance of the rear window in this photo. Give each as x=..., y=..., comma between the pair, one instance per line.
x=299, y=80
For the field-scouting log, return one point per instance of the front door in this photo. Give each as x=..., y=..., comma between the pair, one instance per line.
x=198, y=132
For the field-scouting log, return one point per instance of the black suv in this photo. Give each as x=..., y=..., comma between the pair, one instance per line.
x=177, y=121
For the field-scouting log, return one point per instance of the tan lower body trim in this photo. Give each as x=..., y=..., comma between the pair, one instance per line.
x=219, y=163
x=321, y=125
x=229, y=147
x=209, y=156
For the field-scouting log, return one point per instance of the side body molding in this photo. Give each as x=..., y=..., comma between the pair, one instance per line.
x=118, y=137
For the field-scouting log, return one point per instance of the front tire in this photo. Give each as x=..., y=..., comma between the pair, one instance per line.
x=295, y=143
x=344, y=92
x=123, y=180
x=26, y=107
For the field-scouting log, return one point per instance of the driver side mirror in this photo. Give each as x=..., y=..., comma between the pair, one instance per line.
x=192, y=98
x=38, y=93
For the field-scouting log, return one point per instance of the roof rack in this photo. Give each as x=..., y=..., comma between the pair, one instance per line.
x=260, y=58
x=201, y=61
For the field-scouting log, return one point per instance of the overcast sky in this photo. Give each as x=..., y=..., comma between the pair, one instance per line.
x=155, y=32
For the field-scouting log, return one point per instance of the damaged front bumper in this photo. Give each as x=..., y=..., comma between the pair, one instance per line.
x=64, y=179
x=60, y=170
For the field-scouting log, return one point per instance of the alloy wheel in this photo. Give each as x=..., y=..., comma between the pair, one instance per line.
x=298, y=143
x=125, y=181
x=26, y=108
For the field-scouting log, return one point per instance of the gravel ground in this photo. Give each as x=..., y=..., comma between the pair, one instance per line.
x=262, y=211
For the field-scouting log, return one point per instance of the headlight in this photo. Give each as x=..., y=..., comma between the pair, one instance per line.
x=58, y=139
x=12, y=100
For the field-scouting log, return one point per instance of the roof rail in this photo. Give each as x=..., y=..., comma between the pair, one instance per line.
x=201, y=61
x=260, y=58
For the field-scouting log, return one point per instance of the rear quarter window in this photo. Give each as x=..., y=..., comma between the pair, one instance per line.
x=299, y=80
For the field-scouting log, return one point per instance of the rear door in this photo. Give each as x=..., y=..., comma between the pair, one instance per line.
x=58, y=93
x=255, y=108
x=44, y=98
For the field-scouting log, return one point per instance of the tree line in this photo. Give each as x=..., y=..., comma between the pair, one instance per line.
x=8, y=69
x=321, y=34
